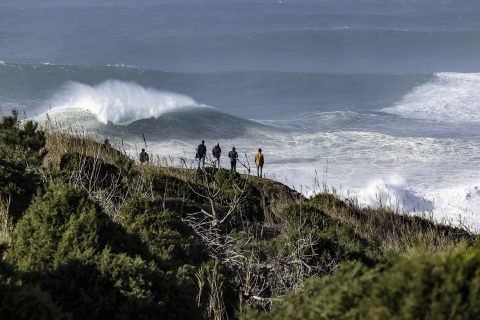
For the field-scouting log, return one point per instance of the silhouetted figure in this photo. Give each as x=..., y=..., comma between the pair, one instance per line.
x=233, y=155
x=216, y=152
x=144, y=156
x=201, y=154
x=259, y=162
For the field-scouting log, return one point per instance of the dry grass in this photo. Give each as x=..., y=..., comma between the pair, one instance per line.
x=60, y=143
x=6, y=224
x=394, y=231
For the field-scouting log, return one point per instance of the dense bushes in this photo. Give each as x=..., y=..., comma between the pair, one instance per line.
x=167, y=185
x=332, y=241
x=169, y=239
x=419, y=286
x=23, y=141
x=73, y=161
x=60, y=224
x=231, y=184
x=63, y=244
x=174, y=246
x=21, y=149
x=109, y=286
x=20, y=302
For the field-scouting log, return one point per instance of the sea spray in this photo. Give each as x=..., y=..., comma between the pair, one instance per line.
x=448, y=97
x=119, y=102
x=393, y=193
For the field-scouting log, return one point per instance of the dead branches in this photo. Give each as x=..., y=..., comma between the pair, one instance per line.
x=259, y=281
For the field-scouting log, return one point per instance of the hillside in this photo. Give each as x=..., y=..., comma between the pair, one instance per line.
x=88, y=233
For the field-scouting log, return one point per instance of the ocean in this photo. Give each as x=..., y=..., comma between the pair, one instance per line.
x=375, y=99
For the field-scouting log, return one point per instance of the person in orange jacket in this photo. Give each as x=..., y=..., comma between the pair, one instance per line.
x=259, y=162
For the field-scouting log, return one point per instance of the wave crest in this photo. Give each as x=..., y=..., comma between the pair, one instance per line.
x=448, y=97
x=119, y=102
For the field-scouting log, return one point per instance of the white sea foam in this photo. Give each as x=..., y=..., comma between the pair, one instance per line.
x=393, y=193
x=119, y=102
x=448, y=97
x=456, y=205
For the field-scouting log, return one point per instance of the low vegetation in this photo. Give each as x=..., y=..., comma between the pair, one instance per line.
x=87, y=233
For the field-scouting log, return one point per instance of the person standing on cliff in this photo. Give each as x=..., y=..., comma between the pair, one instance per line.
x=216, y=152
x=201, y=154
x=259, y=159
x=144, y=156
x=233, y=155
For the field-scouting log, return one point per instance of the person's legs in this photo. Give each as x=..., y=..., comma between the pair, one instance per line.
x=258, y=168
x=261, y=171
x=203, y=162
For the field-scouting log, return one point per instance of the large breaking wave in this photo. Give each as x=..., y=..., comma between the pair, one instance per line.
x=119, y=102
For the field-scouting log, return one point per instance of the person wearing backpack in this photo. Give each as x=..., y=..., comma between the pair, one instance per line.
x=233, y=155
x=259, y=160
x=201, y=154
x=216, y=152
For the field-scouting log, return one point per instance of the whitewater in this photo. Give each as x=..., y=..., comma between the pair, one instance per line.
x=376, y=100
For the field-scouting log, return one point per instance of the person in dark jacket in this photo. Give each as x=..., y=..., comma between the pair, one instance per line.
x=201, y=154
x=144, y=156
x=216, y=152
x=233, y=155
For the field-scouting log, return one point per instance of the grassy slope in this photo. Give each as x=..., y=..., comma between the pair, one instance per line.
x=387, y=229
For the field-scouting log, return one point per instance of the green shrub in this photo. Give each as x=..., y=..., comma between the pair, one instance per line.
x=419, y=286
x=63, y=223
x=23, y=301
x=146, y=292
x=169, y=239
x=63, y=244
x=327, y=201
x=174, y=246
x=60, y=224
x=79, y=288
x=109, y=286
x=141, y=285
x=230, y=184
x=21, y=150
x=172, y=187
x=250, y=204
x=333, y=241
x=104, y=172
x=225, y=177
x=27, y=302
x=24, y=141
